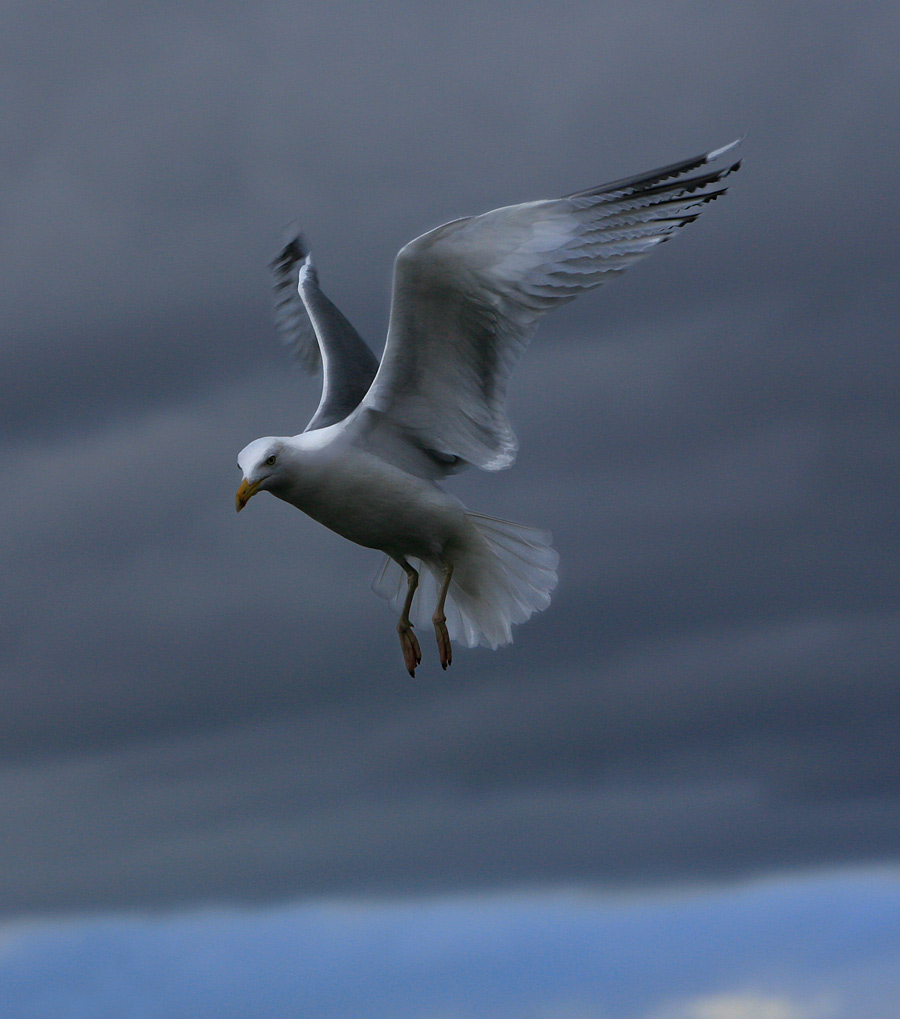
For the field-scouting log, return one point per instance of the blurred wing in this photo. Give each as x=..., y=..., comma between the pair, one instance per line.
x=468, y=296
x=319, y=336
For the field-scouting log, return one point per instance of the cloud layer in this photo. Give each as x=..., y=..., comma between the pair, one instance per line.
x=198, y=706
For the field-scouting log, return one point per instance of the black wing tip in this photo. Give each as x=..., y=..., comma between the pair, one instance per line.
x=655, y=180
x=294, y=250
x=689, y=185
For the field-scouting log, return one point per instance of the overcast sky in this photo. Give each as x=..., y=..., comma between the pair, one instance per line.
x=198, y=707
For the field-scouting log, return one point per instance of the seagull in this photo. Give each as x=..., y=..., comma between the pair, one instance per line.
x=467, y=299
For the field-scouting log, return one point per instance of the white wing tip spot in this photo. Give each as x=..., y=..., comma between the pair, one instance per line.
x=307, y=270
x=710, y=156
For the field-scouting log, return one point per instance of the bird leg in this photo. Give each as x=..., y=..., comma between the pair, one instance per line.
x=440, y=620
x=412, y=655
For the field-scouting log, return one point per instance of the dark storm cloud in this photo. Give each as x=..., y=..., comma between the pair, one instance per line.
x=633, y=771
x=195, y=704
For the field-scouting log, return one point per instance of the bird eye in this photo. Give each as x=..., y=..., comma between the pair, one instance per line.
x=271, y=459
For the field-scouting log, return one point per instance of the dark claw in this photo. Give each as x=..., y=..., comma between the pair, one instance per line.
x=443, y=641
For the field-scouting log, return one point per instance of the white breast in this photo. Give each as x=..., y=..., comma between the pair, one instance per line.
x=373, y=503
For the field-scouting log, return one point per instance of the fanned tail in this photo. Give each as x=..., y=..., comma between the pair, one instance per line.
x=501, y=577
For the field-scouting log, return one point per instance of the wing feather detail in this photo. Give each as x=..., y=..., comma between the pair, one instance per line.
x=468, y=297
x=319, y=336
x=295, y=329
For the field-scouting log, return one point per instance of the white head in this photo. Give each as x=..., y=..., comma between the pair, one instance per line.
x=261, y=462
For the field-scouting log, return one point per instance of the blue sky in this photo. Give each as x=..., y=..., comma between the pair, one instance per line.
x=823, y=946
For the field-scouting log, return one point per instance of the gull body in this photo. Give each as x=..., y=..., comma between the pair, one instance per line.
x=467, y=299
x=357, y=494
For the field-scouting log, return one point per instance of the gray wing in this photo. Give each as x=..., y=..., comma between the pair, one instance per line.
x=319, y=336
x=468, y=296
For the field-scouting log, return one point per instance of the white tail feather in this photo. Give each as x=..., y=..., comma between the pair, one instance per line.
x=502, y=576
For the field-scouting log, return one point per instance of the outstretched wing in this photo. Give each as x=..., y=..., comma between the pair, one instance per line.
x=319, y=336
x=468, y=296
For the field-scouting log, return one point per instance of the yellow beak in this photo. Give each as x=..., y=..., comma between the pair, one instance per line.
x=245, y=493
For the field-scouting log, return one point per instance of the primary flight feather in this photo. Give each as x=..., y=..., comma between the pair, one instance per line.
x=467, y=298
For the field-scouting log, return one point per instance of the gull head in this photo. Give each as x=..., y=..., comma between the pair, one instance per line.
x=262, y=463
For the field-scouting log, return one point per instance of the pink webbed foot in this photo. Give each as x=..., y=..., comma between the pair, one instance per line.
x=412, y=654
x=443, y=640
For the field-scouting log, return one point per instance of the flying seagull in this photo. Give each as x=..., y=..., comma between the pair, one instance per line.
x=467, y=298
